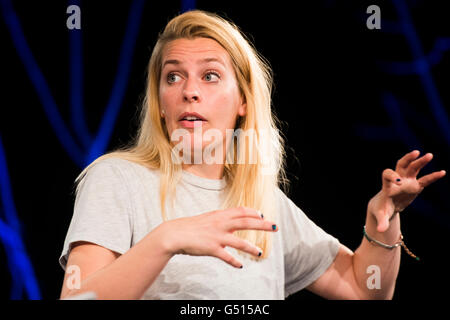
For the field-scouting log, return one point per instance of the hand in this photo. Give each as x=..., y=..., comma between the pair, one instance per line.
x=401, y=187
x=209, y=233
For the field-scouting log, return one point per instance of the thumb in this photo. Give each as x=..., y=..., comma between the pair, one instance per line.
x=383, y=223
x=390, y=176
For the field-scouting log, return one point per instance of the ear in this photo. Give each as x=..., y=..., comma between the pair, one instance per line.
x=242, y=111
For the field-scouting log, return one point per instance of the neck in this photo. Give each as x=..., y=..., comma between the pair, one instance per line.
x=205, y=170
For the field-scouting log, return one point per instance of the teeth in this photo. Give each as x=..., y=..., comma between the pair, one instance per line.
x=191, y=118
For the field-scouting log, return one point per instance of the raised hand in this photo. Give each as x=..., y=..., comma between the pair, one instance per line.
x=401, y=187
x=209, y=233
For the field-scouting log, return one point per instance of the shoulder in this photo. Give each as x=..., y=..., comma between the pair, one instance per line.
x=285, y=204
x=117, y=173
x=288, y=212
x=116, y=166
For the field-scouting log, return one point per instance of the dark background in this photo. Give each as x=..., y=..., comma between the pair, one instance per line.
x=350, y=100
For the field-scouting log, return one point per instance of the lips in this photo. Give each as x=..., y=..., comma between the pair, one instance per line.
x=191, y=116
x=191, y=120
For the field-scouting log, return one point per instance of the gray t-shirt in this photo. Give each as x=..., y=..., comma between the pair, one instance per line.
x=118, y=204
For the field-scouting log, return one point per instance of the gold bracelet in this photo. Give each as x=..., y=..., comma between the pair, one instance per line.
x=390, y=247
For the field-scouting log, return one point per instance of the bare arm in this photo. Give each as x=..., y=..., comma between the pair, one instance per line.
x=347, y=277
x=128, y=276
x=114, y=276
x=387, y=260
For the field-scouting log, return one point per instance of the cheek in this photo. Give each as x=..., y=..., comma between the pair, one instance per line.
x=226, y=108
x=167, y=103
x=164, y=97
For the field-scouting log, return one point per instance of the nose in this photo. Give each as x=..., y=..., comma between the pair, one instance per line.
x=191, y=92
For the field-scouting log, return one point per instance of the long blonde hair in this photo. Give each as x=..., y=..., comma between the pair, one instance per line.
x=247, y=183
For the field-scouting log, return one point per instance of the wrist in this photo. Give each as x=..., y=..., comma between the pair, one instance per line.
x=161, y=239
x=391, y=235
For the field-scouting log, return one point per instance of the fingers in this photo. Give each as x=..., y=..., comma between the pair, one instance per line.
x=243, y=245
x=415, y=166
x=243, y=218
x=228, y=258
x=244, y=212
x=430, y=178
x=240, y=244
x=404, y=162
x=409, y=166
x=251, y=224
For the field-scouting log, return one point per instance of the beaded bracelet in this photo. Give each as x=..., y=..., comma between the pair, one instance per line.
x=390, y=247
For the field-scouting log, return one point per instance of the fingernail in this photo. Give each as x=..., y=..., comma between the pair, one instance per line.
x=241, y=267
x=274, y=227
x=259, y=254
x=398, y=180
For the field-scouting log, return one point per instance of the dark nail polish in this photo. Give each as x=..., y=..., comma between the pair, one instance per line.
x=240, y=267
x=274, y=227
x=262, y=216
x=398, y=180
x=259, y=254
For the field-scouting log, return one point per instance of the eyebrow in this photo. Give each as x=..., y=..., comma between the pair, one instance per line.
x=202, y=61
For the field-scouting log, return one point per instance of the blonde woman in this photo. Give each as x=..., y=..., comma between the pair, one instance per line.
x=192, y=208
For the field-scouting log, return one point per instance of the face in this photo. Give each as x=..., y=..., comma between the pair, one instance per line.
x=198, y=82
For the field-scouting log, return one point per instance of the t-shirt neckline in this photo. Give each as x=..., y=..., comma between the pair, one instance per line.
x=204, y=183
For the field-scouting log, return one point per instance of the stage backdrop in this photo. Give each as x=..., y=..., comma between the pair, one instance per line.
x=353, y=97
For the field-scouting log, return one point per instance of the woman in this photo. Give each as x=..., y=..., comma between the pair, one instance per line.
x=190, y=211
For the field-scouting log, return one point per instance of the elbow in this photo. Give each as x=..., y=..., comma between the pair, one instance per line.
x=377, y=294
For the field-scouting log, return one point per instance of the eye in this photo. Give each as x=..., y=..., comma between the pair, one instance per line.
x=212, y=76
x=172, y=77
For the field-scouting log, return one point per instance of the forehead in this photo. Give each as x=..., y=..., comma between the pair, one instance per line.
x=192, y=50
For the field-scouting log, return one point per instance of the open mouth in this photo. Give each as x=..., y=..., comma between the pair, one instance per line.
x=191, y=120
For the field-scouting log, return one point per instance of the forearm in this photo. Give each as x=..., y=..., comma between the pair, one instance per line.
x=387, y=260
x=130, y=275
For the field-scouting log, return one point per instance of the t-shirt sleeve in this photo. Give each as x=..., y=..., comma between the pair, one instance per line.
x=308, y=249
x=101, y=212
